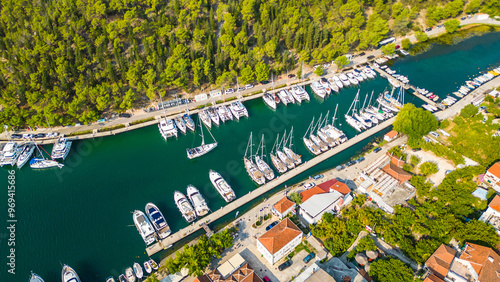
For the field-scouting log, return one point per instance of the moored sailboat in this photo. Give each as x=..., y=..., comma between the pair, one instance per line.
x=261, y=164
x=255, y=174
x=203, y=148
x=278, y=164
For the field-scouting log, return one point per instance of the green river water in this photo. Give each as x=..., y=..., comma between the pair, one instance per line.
x=82, y=215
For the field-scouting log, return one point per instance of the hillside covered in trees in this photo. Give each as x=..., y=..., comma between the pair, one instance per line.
x=71, y=60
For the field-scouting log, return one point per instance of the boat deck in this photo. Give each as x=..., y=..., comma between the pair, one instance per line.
x=252, y=195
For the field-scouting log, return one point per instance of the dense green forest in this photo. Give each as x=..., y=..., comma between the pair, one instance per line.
x=72, y=60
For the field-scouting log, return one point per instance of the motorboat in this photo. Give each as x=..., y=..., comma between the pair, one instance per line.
x=337, y=82
x=333, y=85
x=224, y=113
x=158, y=220
x=324, y=82
x=26, y=152
x=179, y=123
x=214, y=116
x=205, y=118
x=221, y=186
x=167, y=128
x=153, y=264
x=188, y=121
x=344, y=79
x=122, y=278
x=352, y=79
x=147, y=267
x=10, y=153
x=318, y=89
x=144, y=227
x=199, y=204
x=138, y=270
x=110, y=279
x=184, y=207
x=203, y=148
x=61, y=148
x=299, y=94
x=68, y=274
x=129, y=274
x=269, y=99
x=238, y=109
x=35, y=278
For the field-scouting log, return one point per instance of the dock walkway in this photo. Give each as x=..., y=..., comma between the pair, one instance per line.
x=172, y=239
x=415, y=92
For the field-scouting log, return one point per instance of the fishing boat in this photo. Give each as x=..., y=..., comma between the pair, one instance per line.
x=35, y=278
x=122, y=278
x=40, y=162
x=184, y=207
x=224, y=113
x=110, y=279
x=214, y=116
x=278, y=164
x=153, y=264
x=147, y=267
x=205, y=118
x=311, y=146
x=179, y=123
x=68, y=274
x=203, y=148
x=167, y=128
x=10, y=153
x=255, y=174
x=318, y=89
x=138, y=270
x=144, y=227
x=129, y=274
x=188, y=121
x=299, y=94
x=158, y=220
x=199, y=204
x=269, y=99
x=27, y=150
x=221, y=186
x=238, y=109
x=61, y=148
x=261, y=164
x=287, y=149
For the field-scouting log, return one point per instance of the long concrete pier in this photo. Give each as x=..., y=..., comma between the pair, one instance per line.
x=163, y=244
x=415, y=92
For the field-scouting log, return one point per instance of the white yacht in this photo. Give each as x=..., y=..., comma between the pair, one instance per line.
x=68, y=274
x=221, y=186
x=138, y=271
x=344, y=79
x=324, y=82
x=254, y=172
x=299, y=94
x=167, y=128
x=352, y=79
x=278, y=164
x=10, y=153
x=205, y=118
x=61, y=148
x=199, y=204
x=333, y=85
x=179, y=122
x=261, y=164
x=337, y=82
x=144, y=227
x=158, y=220
x=224, y=113
x=238, y=110
x=35, y=278
x=188, y=121
x=26, y=152
x=269, y=100
x=214, y=116
x=313, y=148
x=287, y=149
x=353, y=123
x=203, y=148
x=285, y=97
x=184, y=206
x=318, y=89
x=129, y=275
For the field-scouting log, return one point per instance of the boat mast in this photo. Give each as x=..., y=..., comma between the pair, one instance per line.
x=351, y=104
x=283, y=140
x=248, y=145
x=201, y=129
x=309, y=128
x=291, y=137
x=275, y=143
x=370, y=102
x=335, y=115
x=320, y=122
x=366, y=97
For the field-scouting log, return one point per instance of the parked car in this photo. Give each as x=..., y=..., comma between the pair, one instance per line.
x=291, y=75
x=125, y=115
x=264, y=82
x=350, y=163
x=360, y=160
x=285, y=265
x=229, y=91
x=39, y=135
x=378, y=149
x=416, y=149
x=362, y=54
x=463, y=18
x=339, y=167
x=52, y=134
x=248, y=86
x=266, y=279
x=434, y=134
x=370, y=57
x=309, y=185
x=271, y=225
x=16, y=136
x=27, y=135
x=241, y=89
x=309, y=257
x=428, y=29
x=319, y=176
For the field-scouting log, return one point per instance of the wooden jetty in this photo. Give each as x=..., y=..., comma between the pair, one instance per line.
x=242, y=200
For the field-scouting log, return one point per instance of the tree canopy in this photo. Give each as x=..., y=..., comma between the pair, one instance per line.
x=389, y=270
x=415, y=122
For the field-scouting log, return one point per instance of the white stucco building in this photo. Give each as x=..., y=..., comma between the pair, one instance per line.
x=279, y=241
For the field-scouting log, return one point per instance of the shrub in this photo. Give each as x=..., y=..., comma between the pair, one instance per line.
x=118, y=126
x=142, y=121
x=428, y=168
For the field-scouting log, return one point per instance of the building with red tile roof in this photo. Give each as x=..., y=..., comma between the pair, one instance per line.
x=389, y=136
x=440, y=261
x=244, y=273
x=335, y=185
x=311, y=192
x=492, y=176
x=476, y=263
x=492, y=214
x=279, y=241
x=397, y=173
x=283, y=207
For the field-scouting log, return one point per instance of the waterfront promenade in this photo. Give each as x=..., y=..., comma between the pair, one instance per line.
x=265, y=188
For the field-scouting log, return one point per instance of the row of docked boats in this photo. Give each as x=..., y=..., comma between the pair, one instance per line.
x=282, y=154
x=322, y=135
x=136, y=272
x=152, y=226
x=286, y=96
x=324, y=87
x=14, y=154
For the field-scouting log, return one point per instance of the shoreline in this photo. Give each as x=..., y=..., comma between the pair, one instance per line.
x=256, y=92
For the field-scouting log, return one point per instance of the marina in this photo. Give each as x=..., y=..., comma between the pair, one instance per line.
x=137, y=182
